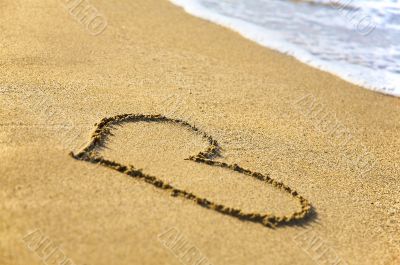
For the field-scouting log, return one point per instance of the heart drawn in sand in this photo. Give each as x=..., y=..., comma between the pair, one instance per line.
x=103, y=132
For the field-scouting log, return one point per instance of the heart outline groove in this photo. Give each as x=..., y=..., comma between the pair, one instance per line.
x=103, y=131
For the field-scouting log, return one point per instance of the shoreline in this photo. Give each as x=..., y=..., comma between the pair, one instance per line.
x=272, y=40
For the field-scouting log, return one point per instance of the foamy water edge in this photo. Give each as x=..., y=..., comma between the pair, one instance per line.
x=272, y=40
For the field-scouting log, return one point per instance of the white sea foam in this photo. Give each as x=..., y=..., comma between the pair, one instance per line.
x=357, y=40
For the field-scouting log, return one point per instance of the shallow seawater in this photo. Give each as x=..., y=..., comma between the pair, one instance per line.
x=357, y=40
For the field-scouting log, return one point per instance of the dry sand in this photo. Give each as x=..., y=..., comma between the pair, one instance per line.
x=57, y=80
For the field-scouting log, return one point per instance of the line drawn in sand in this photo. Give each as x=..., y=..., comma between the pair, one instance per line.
x=103, y=132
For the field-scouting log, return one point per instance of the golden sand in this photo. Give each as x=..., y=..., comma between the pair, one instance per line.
x=335, y=143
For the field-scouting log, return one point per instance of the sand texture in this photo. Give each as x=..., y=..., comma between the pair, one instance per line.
x=240, y=155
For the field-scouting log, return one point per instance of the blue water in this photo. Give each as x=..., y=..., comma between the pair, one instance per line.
x=357, y=40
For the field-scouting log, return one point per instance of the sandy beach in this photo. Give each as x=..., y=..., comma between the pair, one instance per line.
x=334, y=143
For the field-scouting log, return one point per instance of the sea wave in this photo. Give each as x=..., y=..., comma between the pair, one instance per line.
x=356, y=40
